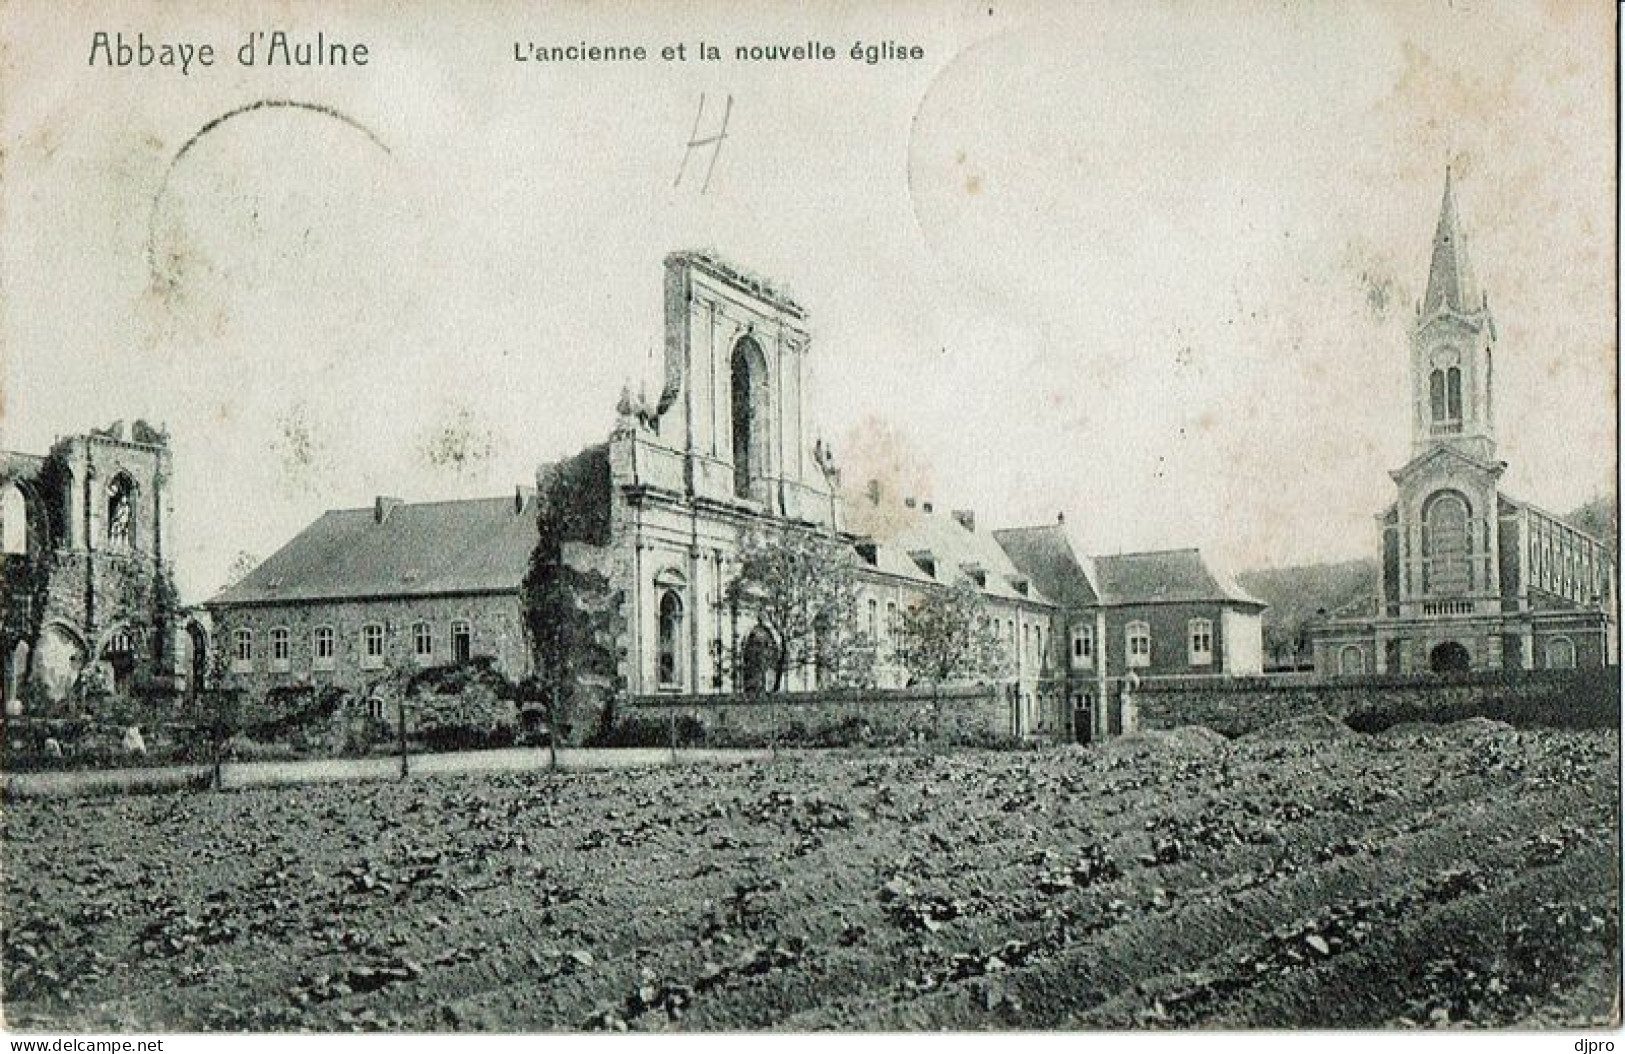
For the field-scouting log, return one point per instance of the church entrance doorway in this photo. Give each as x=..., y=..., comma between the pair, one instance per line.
x=1450, y=657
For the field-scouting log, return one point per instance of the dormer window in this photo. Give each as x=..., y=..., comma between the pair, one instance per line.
x=868, y=551
x=1020, y=585
x=926, y=562
x=977, y=574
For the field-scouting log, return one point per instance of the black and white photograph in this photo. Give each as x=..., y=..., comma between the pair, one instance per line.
x=901, y=516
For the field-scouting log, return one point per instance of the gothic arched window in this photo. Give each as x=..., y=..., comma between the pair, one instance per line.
x=1436, y=396
x=121, y=512
x=669, y=641
x=1560, y=654
x=1453, y=394
x=13, y=519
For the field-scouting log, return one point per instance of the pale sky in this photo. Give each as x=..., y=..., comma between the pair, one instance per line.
x=1150, y=264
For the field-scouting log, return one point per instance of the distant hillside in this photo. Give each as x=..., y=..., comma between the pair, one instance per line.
x=1294, y=594
x=1599, y=518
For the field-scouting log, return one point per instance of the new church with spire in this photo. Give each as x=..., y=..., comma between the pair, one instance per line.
x=1470, y=578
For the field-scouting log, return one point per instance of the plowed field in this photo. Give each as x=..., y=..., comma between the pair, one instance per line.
x=1430, y=877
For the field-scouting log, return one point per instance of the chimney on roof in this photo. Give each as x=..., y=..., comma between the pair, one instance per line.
x=382, y=506
x=1060, y=517
x=966, y=518
x=926, y=507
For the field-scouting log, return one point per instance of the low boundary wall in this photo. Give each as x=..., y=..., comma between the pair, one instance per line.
x=875, y=717
x=1545, y=698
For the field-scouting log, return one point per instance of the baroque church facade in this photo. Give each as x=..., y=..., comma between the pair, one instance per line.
x=725, y=448
x=1470, y=577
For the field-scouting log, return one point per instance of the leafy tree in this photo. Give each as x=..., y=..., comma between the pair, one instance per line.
x=801, y=586
x=947, y=636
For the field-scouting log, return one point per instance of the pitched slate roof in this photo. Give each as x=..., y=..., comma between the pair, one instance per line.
x=1046, y=553
x=1163, y=577
x=477, y=546
x=954, y=548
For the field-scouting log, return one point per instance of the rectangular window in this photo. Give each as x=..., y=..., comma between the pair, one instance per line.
x=1137, y=638
x=422, y=643
x=321, y=648
x=242, y=654
x=372, y=646
x=1083, y=647
x=280, y=650
x=462, y=641
x=1201, y=634
x=874, y=621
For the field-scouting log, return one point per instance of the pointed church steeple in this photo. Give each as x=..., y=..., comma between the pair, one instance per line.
x=1452, y=349
x=1450, y=280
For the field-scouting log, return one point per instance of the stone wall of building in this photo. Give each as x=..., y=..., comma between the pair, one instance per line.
x=1565, y=699
x=495, y=623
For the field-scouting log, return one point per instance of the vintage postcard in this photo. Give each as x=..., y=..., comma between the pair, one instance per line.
x=888, y=516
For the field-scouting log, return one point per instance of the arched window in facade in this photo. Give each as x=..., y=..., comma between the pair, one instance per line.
x=16, y=670
x=322, y=649
x=242, y=651
x=1444, y=399
x=669, y=641
x=1560, y=654
x=1351, y=660
x=13, y=520
x=1447, y=544
x=749, y=403
x=372, y=646
x=281, y=650
x=121, y=513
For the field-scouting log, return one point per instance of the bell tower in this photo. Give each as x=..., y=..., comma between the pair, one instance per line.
x=1452, y=349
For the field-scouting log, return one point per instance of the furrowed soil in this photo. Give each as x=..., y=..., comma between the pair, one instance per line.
x=1425, y=877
